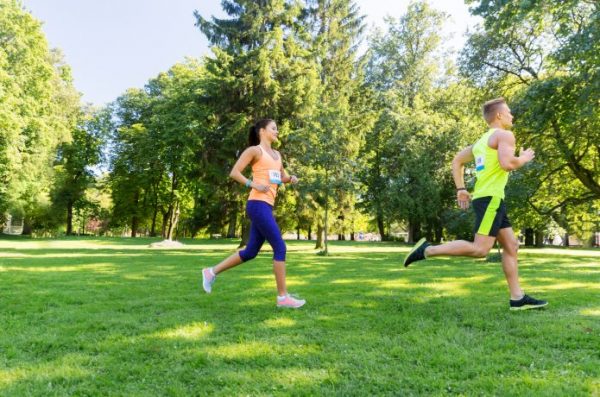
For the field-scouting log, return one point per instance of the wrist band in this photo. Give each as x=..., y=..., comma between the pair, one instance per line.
x=248, y=182
x=461, y=188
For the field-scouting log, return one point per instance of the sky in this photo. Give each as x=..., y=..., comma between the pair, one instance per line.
x=113, y=45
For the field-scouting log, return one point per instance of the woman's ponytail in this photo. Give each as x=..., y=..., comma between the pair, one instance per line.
x=253, y=138
x=254, y=135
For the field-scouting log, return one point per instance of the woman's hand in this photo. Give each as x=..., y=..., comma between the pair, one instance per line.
x=293, y=179
x=260, y=188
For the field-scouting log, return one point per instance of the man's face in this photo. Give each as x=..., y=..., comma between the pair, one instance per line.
x=505, y=116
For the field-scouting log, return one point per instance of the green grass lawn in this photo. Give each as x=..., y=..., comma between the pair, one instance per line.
x=109, y=317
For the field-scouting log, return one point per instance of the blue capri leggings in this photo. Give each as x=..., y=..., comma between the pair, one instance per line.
x=263, y=228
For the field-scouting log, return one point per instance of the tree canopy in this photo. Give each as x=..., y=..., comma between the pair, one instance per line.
x=369, y=121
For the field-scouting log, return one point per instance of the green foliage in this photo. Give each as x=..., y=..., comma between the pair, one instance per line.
x=334, y=134
x=421, y=123
x=371, y=137
x=261, y=69
x=74, y=163
x=38, y=108
x=162, y=145
x=550, y=49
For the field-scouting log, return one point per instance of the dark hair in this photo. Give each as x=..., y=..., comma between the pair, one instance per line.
x=254, y=136
x=491, y=107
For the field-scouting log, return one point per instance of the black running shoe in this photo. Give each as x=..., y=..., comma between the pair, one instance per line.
x=417, y=253
x=527, y=302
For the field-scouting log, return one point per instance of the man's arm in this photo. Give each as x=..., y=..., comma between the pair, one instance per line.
x=458, y=172
x=458, y=166
x=506, y=152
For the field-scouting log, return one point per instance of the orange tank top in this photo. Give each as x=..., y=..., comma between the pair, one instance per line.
x=266, y=171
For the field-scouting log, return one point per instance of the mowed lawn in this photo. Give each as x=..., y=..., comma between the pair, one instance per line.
x=112, y=317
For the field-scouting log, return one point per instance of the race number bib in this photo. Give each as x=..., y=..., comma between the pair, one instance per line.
x=275, y=177
x=479, y=163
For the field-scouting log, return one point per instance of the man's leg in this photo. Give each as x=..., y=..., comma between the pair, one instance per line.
x=510, y=249
x=477, y=249
x=487, y=223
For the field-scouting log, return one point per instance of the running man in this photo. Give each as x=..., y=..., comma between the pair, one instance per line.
x=494, y=155
x=267, y=175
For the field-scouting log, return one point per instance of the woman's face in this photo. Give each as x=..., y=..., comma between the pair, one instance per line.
x=270, y=132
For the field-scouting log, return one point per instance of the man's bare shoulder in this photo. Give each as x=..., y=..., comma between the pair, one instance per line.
x=503, y=135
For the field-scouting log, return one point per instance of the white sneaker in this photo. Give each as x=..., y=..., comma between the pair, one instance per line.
x=290, y=301
x=208, y=279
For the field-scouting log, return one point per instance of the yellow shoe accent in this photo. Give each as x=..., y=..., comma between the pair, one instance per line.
x=414, y=248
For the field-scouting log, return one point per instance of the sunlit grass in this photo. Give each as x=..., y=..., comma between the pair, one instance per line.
x=114, y=317
x=190, y=331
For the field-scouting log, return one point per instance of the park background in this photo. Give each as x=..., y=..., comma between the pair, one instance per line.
x=370, y=118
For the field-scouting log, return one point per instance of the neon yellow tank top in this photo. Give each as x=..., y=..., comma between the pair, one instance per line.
x=491, y=178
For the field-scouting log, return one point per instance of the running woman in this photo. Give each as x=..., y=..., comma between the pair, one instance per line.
x=267, y=175
x=494, y=155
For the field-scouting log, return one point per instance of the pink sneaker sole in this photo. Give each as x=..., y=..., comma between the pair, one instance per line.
x=291, y=303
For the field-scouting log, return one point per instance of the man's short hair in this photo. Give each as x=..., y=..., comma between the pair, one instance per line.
x=490, y=108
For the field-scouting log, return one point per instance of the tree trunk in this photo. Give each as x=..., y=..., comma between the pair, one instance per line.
x=173, y=221
x=69, y=218
x=429, y=233
x=245, y=232
x=325, y=231
x=27, y=229
x=309, y=232
x=529, y=237
x=319, y=237
x=413, y=232
x=233, y=222
x=153, y=227
x=381, y=227
x=134, y=218
x=165, y=221
x=539, y=238
x=298, y=232
x=134, y=226
x=352, y=236
x=439, y=233
x=82, y=224
x=173, y=208
x=566, y=242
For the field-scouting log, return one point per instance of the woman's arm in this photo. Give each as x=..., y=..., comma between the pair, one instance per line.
x=285, y=178
x=246, y=158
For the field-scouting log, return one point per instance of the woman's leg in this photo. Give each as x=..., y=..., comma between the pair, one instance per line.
x=279, y=271
x=267, y=226
x=231, y=261
x=255, y=242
